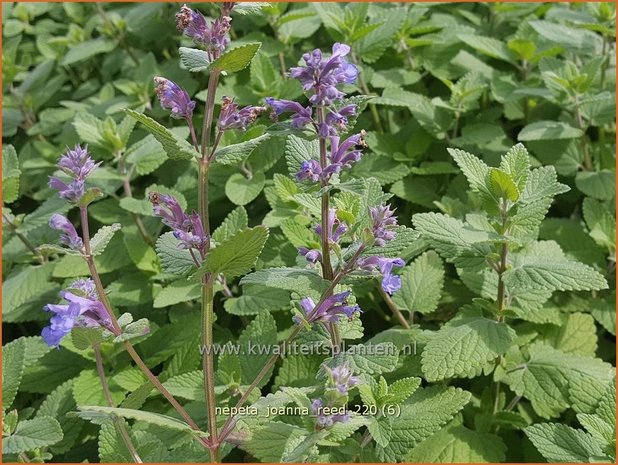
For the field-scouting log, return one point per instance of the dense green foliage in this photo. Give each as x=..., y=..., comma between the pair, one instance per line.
x=490, y=128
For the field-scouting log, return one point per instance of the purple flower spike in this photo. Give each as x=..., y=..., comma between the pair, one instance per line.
x=349, y=152
x=233, y=118
x=188, y=229
x=322, y=75
x=301, y=116
x=341, y=378
x=337, y=121
x=174, y=98
x=78, y=164
x=312, y=255
x=309, y=169
x=391, y=283
x=326, y=420
x=85, y=311
x=214, y=36
x=69, y=235
x=336, y=228
x=330, y=310
x=383, y=224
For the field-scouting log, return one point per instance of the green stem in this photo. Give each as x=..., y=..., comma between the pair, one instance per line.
x=23, y=238
x=581, y=125
x=393, y=307
x=119, y=423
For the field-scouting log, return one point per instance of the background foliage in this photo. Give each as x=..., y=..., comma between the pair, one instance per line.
x=477, y=77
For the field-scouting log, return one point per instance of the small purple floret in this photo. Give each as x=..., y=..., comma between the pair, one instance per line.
x=69, y=235
x=174, y=98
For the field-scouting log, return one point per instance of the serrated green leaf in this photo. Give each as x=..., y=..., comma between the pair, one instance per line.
x=256, y=299
x=10, y=174
x=561, y=443
x=193, y=59
x=237, y=255
x=32, y=434
x=298, y=150
x=290, y=279
x=241, y=190
x=177, y=292
x=236, y=153
x=173, y=259
x=235, y=221
x=464, y=345
x=421, y=284
x=548, y=130
x=175, y=147
x=13, y=364
x=502, y=186
x=101, y=239
x=516, y=163
x=236, y=59
x=369, y=358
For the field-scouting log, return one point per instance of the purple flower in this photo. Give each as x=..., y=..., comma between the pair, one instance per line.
x=85, y=311
x=341, y=378
x=69, y=235
x=86, y=287
x=349, y=152
x=391, y=283
x=72, y=192
x=233, y=118
x=330, y=310
x=383, y=224
x=214, y=36
x=337, y=120
x=324, y=420
x=312, y=255
x=78, y=164
x=336, y=228
x=174, y=98
x=309, y=169
x=322, y=75
x=301, y=116
x=188, y=229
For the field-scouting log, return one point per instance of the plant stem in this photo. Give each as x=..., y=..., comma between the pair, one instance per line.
x=209, y=107
x=117, y=330
x=23, y=238
x=119, y=423
x=327, y=268
x=581, y=125
x=208, y=357
x=393, y=307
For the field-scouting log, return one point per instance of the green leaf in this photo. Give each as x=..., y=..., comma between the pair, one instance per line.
x=424, y=414
x=473, y=168
x=13, y=364
x=87, y=49
x=543, y=266
x=296, y=280
x=599, y=185
x=85, y=338
x=578, y=335
x=173, y=259
x=502, y=186
x=87, y=390
x=270, y=443
x=32, y=434
x=368, y=358
x=371, y=47
x=516, y=163
x=237, y=255
x=401, y=389
x=381, y=429
x=263, y=331
x=175, y=147
x=102, y=238
x=549, y=130
x=257, y=299
x=421, y=284
x=561, y=443
x=298, y=150
x=458, y=444
x=489, y=46
x=193, y=59
x=10, y=174
x=177, y=292
x=236, y=59
x=234, y=222
x=545, y=375
x=464, y=345
x=241, y=190
x=601, y=223
x=98, y=413
x=542, y=182
x=236, y=153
